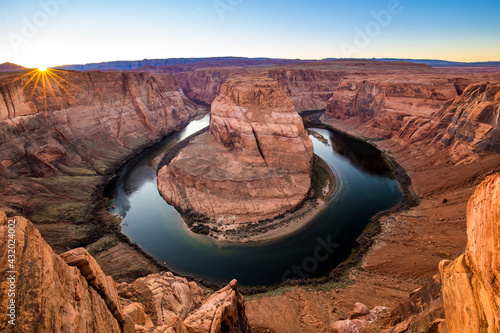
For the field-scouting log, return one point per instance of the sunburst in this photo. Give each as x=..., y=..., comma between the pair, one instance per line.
x=47, y=78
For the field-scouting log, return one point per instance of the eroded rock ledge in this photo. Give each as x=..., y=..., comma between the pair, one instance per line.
x=254, y=164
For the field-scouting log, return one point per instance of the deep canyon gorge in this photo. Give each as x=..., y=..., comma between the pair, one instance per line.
x=439, y=129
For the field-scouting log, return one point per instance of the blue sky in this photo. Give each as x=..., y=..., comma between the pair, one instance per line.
x=37, y=33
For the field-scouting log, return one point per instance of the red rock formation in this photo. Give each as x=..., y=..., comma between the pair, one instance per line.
x=471, y=283
x=70, y=293
x=307, y=88
x=224, y=311
x=465, y=297
x=94, y=275
x=50, y=296
x=254, y=164
x=472, y=121
x=84, y=116
x=171, y=296
x=383, y=103
x=420, y=108
x=57, y=145
x=203, y=85
x=361, y=320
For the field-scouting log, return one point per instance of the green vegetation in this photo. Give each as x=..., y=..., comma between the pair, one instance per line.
x=104, y=243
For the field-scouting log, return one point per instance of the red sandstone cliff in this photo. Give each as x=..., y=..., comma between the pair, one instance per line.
x=254, y=164
x=63, y=119
x=471, y=283
x=383, y=103
x=473, y=121
x=307, y=88
x=423, y=110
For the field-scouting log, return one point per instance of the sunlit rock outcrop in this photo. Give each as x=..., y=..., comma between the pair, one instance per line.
x=471, y=283
x=254, y=164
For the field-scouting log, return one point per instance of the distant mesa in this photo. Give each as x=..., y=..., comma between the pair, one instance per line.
x=254, y=164
x=10, y=67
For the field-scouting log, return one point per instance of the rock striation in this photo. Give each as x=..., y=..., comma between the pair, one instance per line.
x=471, y=283
x=441, y=113
x=224, y=311
x=466, y=126
x=254, y=164
x=385, y=103
x=472, y=122
x=465, y=296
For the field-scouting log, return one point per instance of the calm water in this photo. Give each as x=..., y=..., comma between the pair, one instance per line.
x=365, y=188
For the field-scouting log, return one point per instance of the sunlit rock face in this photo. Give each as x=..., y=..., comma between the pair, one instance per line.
x=65, y=125
x=473, y=122
x=471, y=287
x=255, y=163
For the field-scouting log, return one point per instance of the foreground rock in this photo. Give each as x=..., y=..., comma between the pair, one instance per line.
x=70, y=293
x=361, y=320
x=224, y=311
x=471, y=283
x=254, y=164
x=50, y=296
x=465, y=297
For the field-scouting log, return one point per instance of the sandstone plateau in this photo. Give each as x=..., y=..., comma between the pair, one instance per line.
x=254, y=164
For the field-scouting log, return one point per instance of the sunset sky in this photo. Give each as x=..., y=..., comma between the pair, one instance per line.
x=37, y=33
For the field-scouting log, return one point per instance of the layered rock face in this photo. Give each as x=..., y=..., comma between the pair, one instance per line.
x=254, y=164
x=471, y=283
x=307, y=88
x=62, y=132
x=472, y=121
x=70, y=293
x=52, y=131
x=383, y=104
x=437, y=112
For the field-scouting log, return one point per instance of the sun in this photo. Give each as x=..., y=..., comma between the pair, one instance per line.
x=48, y=79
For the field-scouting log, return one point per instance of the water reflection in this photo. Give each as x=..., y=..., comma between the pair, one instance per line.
x=363, y=155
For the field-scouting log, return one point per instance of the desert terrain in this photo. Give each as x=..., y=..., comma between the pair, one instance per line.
x=66, y=133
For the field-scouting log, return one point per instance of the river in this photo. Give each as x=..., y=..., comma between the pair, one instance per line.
x=365, y=187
